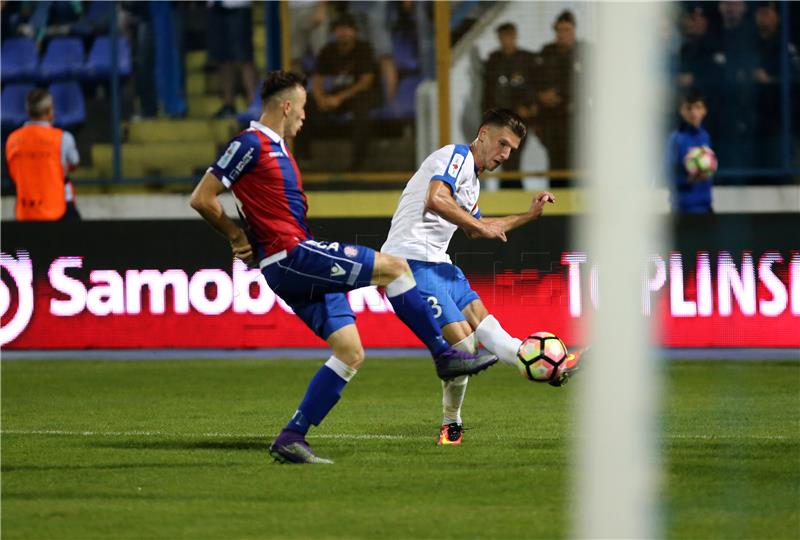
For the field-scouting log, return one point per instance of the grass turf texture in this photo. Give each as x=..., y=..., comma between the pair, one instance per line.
x=177, y=449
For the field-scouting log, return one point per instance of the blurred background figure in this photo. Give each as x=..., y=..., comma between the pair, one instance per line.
x=690, y=192
x=696, y=66
x=767, y=78
x=39, y=158
x=732, y=115
x=509, y=83
x=230, y=48
x=343, y=86
x=561, y=65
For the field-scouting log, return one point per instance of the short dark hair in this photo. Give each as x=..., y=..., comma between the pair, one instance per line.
x=345, y=19
x=37, y=102
x=278, y=81
x=565, y=16
x=505, y=118
x=692, y=96
x=506, y=27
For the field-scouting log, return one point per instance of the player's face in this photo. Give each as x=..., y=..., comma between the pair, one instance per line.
x=497, y=144
x=296, y=111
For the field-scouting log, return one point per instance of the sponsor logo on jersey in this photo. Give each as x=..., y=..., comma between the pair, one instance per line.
x=234, y=174
x=337, y=270
x=226, y=158
x=276, y=154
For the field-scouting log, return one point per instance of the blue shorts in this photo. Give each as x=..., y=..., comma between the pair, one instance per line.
x=445, y=288
x=313, y=280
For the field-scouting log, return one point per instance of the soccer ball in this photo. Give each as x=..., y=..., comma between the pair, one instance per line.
x=700, y=160
x=541, y=357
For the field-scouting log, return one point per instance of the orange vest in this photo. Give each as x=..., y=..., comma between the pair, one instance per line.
x=33, y=153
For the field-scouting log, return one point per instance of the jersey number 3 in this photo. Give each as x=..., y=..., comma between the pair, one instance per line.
x=437, y=309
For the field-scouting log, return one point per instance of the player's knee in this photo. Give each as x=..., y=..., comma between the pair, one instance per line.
x=352, y=356
x=397, y=266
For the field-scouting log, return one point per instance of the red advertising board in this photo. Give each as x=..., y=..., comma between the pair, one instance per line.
x=700, y=299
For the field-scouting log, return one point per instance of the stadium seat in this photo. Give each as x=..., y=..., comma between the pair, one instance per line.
x=403, y=106
x=18, y=60
x=63, y=59
x=404, y=52
x=253, y=111
x=68, y=102
x=12, y=102
x=98, y=65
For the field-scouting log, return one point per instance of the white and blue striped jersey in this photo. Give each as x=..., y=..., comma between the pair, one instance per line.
x=420, y=234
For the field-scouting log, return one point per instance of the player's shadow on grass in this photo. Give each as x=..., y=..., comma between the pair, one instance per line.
x=259, y=445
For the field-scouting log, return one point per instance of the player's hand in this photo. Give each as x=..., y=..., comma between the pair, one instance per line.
x=241, y=247
x=699, y=177
x=538, y=202
x=493, y=231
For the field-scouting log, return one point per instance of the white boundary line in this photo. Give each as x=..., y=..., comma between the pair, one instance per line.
x=344, y=436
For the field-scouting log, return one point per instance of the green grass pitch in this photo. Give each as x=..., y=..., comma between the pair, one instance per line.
x=177, y=449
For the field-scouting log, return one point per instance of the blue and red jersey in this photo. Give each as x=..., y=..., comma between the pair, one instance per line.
x=268, y=188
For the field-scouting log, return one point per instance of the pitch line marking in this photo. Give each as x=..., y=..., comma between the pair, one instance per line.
x=344, y=436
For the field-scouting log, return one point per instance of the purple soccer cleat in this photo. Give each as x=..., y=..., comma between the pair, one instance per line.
x=453, y=363
x=291, y=447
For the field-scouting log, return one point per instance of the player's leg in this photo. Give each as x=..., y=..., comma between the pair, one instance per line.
x=489, y=332
x=332, y=319
x=494, y=337
x=414, y=310
x=461, y=336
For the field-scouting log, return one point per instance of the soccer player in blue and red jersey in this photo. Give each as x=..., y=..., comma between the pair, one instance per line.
x=310, y=275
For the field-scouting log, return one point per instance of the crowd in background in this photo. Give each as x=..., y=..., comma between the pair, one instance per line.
x=365, y=59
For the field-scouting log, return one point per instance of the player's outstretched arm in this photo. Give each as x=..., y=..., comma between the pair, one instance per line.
x=205, y=199
x=517, y=220
x=440, y=200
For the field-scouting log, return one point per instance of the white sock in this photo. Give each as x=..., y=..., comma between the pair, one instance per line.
x=340, y=368
x=453, y=390
x=498, y=341
x=402, y=284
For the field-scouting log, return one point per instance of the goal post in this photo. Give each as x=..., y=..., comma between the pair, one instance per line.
x=615, y=481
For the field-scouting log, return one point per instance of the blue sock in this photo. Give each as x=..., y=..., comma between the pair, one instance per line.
x=416, y=313
x=322, y=393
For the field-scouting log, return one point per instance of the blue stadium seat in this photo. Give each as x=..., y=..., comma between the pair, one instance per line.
x=68, y=103
x=404, y=52
x=253, y=111
x=18, y=60
x=98, y=65
x=63, y=59
x=403, y=107
x=12, y=102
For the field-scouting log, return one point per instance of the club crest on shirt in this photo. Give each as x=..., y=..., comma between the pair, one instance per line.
x=455, y=165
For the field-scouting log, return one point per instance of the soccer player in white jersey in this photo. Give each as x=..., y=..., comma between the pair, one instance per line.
x=441, y=197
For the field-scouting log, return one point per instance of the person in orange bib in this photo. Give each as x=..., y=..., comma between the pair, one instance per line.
x=39, y=158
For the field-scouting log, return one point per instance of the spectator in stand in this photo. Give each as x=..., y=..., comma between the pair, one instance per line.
x=39, y=158
x=230, y=47
x=696, y=66
x=344, y=81
x=767, y=76
x=562, y=68
x=372, y=24
x=733, y=117
x=508, y=83
x=309, y=23
x=689, y=193
x=43, y=20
